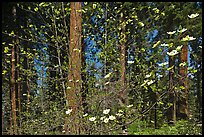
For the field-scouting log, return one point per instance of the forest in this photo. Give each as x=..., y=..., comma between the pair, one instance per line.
x=101, y=68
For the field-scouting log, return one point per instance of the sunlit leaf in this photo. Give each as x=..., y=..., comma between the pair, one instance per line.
x=156, y=44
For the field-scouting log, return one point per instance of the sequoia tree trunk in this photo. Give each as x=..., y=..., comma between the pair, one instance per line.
x=183, y=112
x=74, y=76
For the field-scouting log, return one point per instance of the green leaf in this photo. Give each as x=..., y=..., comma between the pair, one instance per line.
x=170, y=67
x=12, y=33
x=41, y=4
x=94, y=6
x=4, y=72
x=36, y=9
x=156, y=44
x=182, y=87
x=6, y=49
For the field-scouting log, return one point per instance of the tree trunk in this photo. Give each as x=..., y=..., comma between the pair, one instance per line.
x=172, y=99
x=123, y=92
x=74, y=76
x=199, y=94
x=18, y=85
x=13, y=88
x=183, y=111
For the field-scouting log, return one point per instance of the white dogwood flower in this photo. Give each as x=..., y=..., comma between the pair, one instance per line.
x=92, y=119
x=85, y=115
x=172, y=53
x=148, y=75
x=102, y=118
x=106, y=120
x=106, y=111
x=182, y=30
x=163, y=64
x=150, y=82
x=112, y=117
x=164, y=45
x=68, y=111
x=130, y=62
x=193, y=16
x=108, y=75
x=188, y=38
x=106, y=83
x=129, y=106
x=118, y=114
x=170, y=33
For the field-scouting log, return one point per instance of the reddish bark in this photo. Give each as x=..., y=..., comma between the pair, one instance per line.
x=74, y=77
x=13, y=88
x=182, y=102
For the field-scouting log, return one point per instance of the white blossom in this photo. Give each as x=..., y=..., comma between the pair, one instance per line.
x=172, y=53
x=129, y=106
x=106, y=83
x=106, y=120
x=85, y=115
x=102, y=118
x=130, y=62
x=164, y=45
x=188, y=38
x=68, y=111
x=148, y=75
x=182, y=30
x=120, y=111
x=170, y=33
x=112, y=117
x=118, y=114
x=108, y=75
x=193, y=15
x=92, y=118
x=68, y=87
x=150, y=82
x=106, y=111
x=97, y=84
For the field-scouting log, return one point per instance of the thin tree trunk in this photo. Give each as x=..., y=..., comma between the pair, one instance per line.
x=199, y=96
x=123, y=92
x=18, y=86
x=74, y=76
x=58, y=54
x=172, y=98
x=183, y=111
x=13, y=88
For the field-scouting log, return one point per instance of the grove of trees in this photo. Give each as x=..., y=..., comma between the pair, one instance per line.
x=84, y=68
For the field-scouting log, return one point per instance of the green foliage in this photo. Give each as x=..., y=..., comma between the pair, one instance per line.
x=182, y=127
x=152, y=32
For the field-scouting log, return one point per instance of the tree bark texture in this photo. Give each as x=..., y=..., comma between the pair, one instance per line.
x=183, y=98
x=13, y=87
x=74, y=76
